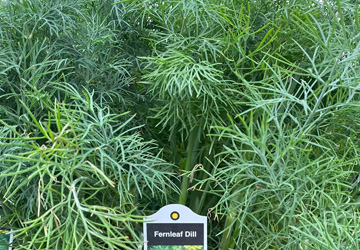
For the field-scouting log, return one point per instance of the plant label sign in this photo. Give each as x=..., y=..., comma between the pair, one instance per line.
x=175, y=227
x=5, y=239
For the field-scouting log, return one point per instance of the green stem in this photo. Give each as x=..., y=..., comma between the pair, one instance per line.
x=207, y=186
x=173, y=143
x=191, y=148
x=208, y=168
x=202, y=199
x=227, y=233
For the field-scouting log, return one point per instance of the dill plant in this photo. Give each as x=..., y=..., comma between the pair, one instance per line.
x=245, y=111
x=277, y=170
x=74, y=165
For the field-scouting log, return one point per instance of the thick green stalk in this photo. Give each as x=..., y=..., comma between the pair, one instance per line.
x=173, y=143
x=202, y=199
x=227, y=233
x=191, y=149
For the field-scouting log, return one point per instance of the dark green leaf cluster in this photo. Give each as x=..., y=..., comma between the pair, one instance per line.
x=73, y=163
x=76, y=176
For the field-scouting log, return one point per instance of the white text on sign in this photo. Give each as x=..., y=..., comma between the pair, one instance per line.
x=175, y=234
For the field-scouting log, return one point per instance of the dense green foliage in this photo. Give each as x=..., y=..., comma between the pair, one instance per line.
x=245, y=111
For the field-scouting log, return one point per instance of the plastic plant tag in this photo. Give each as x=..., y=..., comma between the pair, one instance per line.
x=5, y=239
x=175, y=227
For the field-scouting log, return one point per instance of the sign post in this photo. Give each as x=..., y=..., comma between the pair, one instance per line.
x=175, y=227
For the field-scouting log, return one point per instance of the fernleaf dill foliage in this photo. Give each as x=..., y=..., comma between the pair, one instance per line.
x=245, y=111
